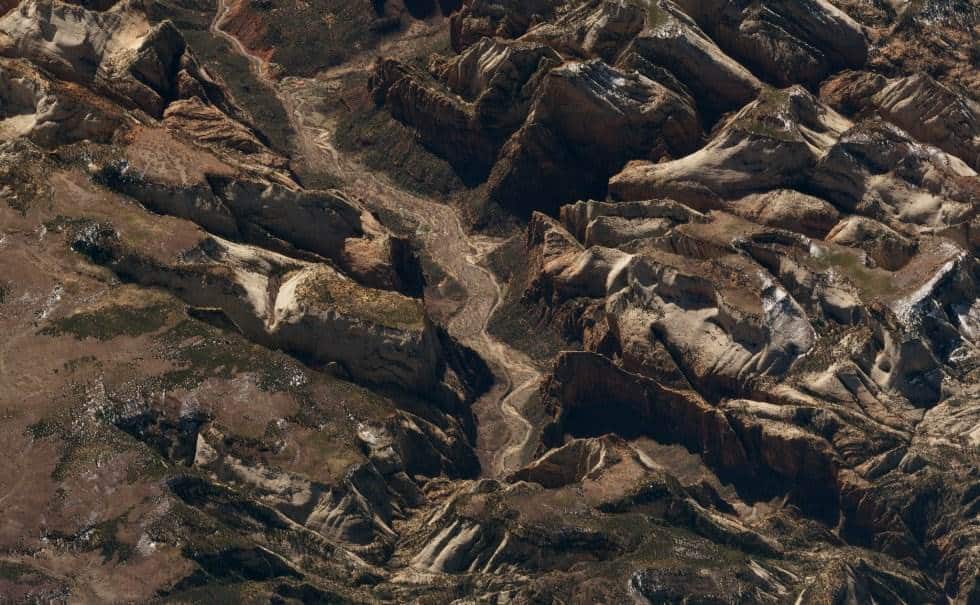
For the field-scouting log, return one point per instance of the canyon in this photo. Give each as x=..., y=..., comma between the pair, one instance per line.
x=490, y=301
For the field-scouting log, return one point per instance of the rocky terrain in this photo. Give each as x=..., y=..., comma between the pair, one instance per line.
x=490, y=301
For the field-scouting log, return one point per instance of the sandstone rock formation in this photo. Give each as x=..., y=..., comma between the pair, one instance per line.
x=587, y=119
x=117, y=51
x=789, y=128
x=786, y=42
x=928, y=110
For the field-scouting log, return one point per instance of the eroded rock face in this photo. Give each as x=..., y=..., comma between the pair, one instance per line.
x=486, y=97
x=586, y=121
x=119, y=49
x=790, y=210
x=673, y=42
x=932, y=36
x=877, y=169
x=502, y=108
x=671, y=336
x=48, y=113
x=930, y=111
x=262, y=207
x=376, y=336
x=498, y=18
x=772, y=143
x=784, y=42
x=211, y=127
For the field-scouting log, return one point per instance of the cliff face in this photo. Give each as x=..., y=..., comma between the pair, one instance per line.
x=487, y=301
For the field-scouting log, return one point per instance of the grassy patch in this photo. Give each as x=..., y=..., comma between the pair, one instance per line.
x=872, y=283
x=771, y=119
x=382, y=307
x=656, y=16
x=111, y=322
x=201, y=351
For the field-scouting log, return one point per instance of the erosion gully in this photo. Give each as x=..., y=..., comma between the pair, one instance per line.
x=504, y=435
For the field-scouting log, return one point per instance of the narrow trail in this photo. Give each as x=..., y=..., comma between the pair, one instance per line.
x=504, y=436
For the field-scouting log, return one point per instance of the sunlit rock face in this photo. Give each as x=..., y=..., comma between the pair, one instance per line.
x=489, y=301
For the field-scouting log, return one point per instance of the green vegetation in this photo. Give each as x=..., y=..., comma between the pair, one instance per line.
x=267, y=113
x=872, y=283
x=656, y=16
x=111, y=322
x=62, y=223
x=23, y=185
x=214, y=594
x=104, y=537
x=311, y=36
x=203, y=352
x=20, y=573
x=514, y=321
x=90, y=439
x=386, y=145
x=349, y=298
x=93, y=445
x=770, y=119
x=73, y=365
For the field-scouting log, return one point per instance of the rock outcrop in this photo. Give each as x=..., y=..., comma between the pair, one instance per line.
x=486, y=96
x=879, y=170
x=117, y=51
x=376, y=336
x=770, y=144
x=928, y=110
x=268, y=211
x=672, y=41
x=784, y=42
x=587, y=120
x=51, y=113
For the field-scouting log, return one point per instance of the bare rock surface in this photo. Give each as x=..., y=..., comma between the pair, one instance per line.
x=932, y=112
